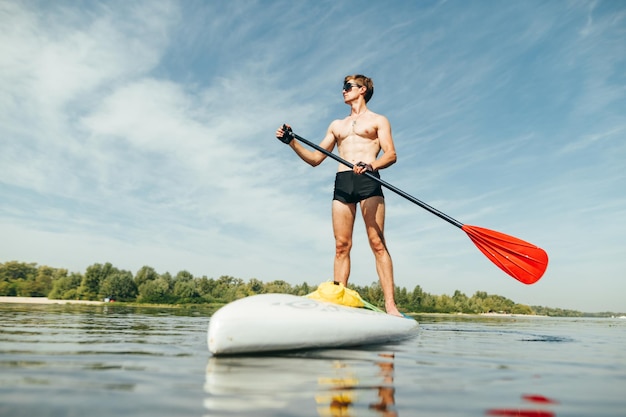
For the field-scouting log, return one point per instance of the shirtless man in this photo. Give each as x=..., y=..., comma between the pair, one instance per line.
x=359, y=138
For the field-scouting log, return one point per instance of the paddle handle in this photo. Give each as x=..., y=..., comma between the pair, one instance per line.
x=385, y=184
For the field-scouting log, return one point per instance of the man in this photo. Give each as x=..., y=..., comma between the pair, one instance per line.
x=359, y=138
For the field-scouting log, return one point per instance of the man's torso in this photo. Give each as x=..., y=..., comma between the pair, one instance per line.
x=357, y=140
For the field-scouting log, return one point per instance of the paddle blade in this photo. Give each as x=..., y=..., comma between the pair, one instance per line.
x=522, y=260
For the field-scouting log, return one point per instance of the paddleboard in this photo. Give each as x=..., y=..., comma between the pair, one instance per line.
x=283, y=322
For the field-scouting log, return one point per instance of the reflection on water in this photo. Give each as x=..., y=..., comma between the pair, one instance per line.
x=360, y=384
x=539, y=411
x=120, y=361
x=339, y=393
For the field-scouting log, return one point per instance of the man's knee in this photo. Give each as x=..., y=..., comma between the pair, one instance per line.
x=342, y=246
x=378, y=245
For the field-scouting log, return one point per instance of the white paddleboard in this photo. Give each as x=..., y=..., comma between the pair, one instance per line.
x=280, y=322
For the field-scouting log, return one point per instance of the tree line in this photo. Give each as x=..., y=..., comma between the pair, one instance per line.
x=102, y=281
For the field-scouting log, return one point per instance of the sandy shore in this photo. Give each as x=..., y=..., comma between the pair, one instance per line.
x=43, y=300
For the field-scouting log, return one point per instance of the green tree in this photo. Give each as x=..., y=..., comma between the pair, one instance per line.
x=303, y=289
x=415, y=300
x=444, y=303
x=374, y=295
x=42, y=284
x=225, y=288
x=461, y=302
x=481, y=295
x=94, y=276
x=429, y=303
x=155, y=291
x=205, y=288
x=401, y=296
x=184, y=276
x=522, y=309
x=13, y=271
x=256, y=286
x=278, y=286
x=66, y=288
x=498, y=304
x=144, y=275
x=186, y=291
x=15, y=278
x=119, y=286
x=167, y=277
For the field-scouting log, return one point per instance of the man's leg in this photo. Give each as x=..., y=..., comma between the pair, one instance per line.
x=373, y=210
x=343, y=225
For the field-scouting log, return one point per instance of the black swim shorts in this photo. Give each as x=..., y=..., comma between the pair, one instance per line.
x=351, y=188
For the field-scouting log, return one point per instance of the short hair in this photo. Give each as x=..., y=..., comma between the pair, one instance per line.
x=363, y=81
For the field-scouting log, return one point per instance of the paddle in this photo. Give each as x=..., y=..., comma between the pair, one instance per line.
x=522, y=260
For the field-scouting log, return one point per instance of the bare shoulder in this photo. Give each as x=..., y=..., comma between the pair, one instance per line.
x=336, y=126
x=379, y=118
x=379, y=123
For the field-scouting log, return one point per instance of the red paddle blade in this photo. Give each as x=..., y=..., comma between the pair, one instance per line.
x=522, y=260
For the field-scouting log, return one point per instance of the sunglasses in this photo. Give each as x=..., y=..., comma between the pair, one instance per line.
x=349, y=86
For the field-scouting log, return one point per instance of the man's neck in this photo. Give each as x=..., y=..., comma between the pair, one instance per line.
x=358, y=108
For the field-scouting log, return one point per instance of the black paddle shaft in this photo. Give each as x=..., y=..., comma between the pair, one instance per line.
x=385, y=184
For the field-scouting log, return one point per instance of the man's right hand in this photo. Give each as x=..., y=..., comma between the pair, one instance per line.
x=362, y=168
x=284, y=134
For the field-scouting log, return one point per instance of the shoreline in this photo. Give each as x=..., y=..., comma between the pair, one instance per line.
x=44, y=300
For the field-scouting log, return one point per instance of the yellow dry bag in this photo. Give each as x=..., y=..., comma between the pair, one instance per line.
x=335, y=292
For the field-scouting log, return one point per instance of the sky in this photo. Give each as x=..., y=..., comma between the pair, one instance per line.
x=141, y=133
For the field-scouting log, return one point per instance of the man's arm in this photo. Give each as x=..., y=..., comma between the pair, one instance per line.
x=385, y=139
x=314, y=157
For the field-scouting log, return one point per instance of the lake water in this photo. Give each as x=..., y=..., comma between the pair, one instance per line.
x=68, y=360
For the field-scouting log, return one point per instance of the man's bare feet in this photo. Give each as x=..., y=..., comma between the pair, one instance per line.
x=393, y=310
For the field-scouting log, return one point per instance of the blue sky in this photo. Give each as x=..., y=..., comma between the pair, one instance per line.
x=142, y=133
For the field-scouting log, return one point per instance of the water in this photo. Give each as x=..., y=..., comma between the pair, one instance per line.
x=62, y=360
